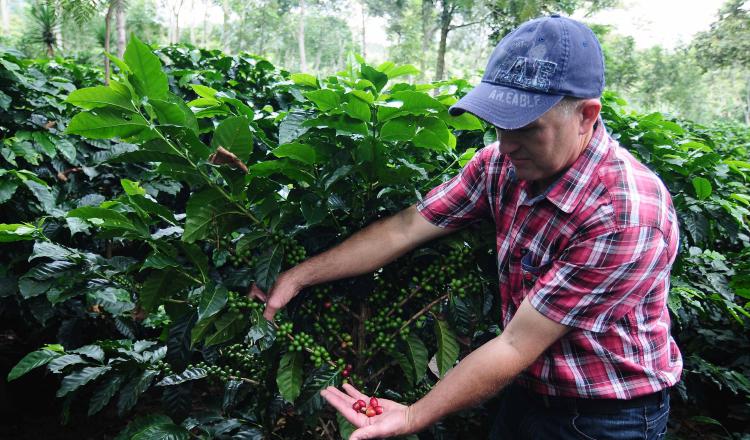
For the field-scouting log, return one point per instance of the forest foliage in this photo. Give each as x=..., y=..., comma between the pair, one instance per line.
x=704, y=80
x=136, y=215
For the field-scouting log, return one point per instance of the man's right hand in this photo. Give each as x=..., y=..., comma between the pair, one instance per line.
x=366, y=251
x=283, y=290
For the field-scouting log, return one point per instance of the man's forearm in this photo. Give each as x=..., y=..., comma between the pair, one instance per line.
x=369, y=249
x=479, y=376
x=484, y=372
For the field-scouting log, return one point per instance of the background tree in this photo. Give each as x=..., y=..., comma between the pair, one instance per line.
x=727, y=44
x=44, y=22
x=505, y=15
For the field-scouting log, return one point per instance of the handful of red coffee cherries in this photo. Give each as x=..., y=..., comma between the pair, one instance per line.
x=374, y=409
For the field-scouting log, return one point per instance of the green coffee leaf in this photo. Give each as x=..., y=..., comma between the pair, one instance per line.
x=324, y=99
x=59, y=364
x=289, y=375
x=213, y=300
x=358, y=109
x=447, y=353
x=30, y=361
x=268, y=267
x=133, y=389
x=301, y=152
x=17, y=232
x=187, y=375
x=234, y=135
x=398, y=129
x=79, y=378
x=93, y=351
x=103, y=124
x=104, y=393
x=148, y=78
x=227, y=326
x=101, y=96
x=202, y=209
x=304, y=79
x=702, y=187
x=203, y=91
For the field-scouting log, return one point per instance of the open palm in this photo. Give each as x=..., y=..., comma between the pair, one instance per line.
x=394, y=420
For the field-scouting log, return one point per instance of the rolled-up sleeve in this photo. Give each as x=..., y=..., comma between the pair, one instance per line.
x=596, y=281
x=462, y=199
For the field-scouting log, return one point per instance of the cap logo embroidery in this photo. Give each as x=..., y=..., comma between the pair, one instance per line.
x=518, y=74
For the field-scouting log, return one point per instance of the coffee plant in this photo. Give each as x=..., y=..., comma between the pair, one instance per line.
x=137, y=215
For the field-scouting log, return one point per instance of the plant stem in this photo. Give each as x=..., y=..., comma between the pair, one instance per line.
x=406, y=324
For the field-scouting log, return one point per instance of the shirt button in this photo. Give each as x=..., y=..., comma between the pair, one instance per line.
x=524, y=251
x=528, y=276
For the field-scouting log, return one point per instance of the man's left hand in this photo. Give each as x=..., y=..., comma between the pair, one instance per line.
x=393, y=421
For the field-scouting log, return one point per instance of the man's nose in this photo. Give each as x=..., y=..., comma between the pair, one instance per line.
x=508, y=145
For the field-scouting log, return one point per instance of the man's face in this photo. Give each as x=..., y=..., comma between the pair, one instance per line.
x=545, y=148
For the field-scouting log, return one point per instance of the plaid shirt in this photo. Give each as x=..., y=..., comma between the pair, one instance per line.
x=593, y=252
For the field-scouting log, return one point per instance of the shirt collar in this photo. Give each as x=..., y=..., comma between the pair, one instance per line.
x=568, y=190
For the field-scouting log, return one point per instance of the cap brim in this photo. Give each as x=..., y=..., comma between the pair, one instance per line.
x=504, y=107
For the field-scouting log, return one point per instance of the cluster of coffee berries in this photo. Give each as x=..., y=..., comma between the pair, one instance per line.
x=319, y=355
x=123, y=281
x=293, y=251
x=372, y=410
x=240, y=257
x=241, y=355
x=239, y=303
x=468, y=284
x=416, y=393
x=301, y=341
x=284, y=329
x=383, y=325
x=346, y=341
x=163, y=367
x=322, y=291
x=216, y=372
x=347, y=371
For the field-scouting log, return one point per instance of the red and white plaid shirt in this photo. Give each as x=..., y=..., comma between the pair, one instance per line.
x=593, y=252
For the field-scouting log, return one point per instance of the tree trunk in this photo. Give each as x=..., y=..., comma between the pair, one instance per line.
x=177, y=22
x=107, y=31
x=205, y=24
x=426, y=35
x=364, y=40
x=243, y=25
x=747, y=101
x=301, y=37
x=225, y=26
x=122, y=35
x=446, y=15
x=4, y=22
x=192, y=28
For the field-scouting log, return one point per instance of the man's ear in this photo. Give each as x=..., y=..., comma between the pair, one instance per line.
x=588, y=112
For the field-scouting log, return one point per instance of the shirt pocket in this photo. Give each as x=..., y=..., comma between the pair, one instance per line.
x=530, y=271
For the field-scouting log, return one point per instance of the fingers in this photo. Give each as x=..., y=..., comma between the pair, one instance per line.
x=343, y=404
x=255, y=292
x=354, y=393
x=270, y=310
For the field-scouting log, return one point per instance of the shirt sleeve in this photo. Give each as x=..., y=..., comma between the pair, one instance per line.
x=597, y=281
x=462, y=199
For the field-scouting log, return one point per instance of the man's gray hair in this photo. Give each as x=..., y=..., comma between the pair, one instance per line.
x=568, y=105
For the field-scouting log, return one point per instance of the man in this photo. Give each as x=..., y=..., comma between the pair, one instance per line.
x=586, y=237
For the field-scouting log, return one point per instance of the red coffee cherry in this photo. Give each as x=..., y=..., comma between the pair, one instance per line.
x=374, y=402
x=378, y=410
x=370, y=412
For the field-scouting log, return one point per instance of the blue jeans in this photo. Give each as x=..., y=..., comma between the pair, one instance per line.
x=527, y=416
